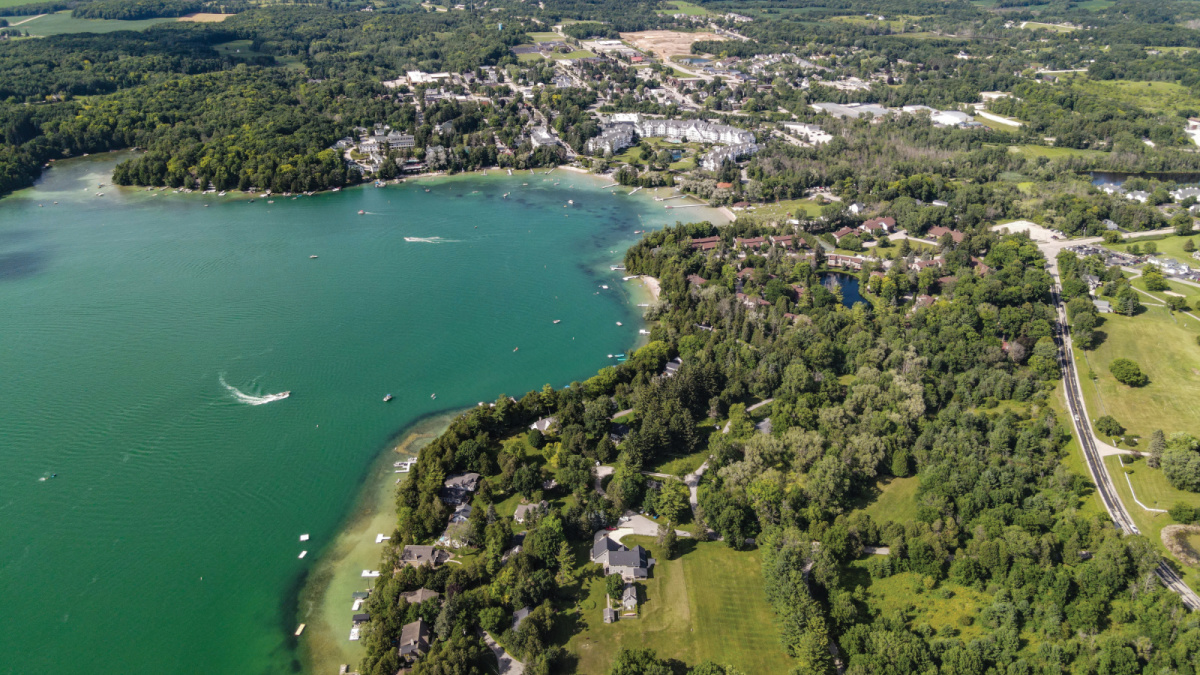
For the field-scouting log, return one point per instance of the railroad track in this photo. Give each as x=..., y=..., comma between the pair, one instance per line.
x=1095, y=462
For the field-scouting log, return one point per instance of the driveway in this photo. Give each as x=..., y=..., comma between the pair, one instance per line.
x=508, y=665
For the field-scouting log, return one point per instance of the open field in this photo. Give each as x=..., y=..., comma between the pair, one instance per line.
x=1167, y=352
x=545, y=37
x=894, y=499
x=993, y=124
x=1052, y=152
x=578, y=54
x=1153, y=491
x=61, y=23
x=709, y=603
x=205, y=17
x=1165, y=97
x=526, y=59
x=782, y=210
x=666, y=43
x=941, y=608
x=1169, y=247
x=1036, y=25
x=895, y=23
x=683, y=7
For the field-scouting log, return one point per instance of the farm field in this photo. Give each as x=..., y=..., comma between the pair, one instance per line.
x=60, y=23
x=666, y=43
x=1166, y=97
x=1167, y=352
x=709, y=603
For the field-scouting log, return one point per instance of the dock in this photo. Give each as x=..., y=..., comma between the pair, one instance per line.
x=610, y=185
x=300, y=630
x=684, y=206
x=636, y=189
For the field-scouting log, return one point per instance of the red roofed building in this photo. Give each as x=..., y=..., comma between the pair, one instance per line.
x=845, y=231
x=754, y=242
x=724, y=186
x=878, y=224
x=706, y=243
x=696, y=280
x=937, y=232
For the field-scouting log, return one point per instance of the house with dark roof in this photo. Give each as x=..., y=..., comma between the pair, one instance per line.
x=631, y=564
x=415, y=556
x=672, y=367
x=617, y=433
x=458, y=488
x=461, y=514
x=610, y=615
x=414, y=640
x=420, y=595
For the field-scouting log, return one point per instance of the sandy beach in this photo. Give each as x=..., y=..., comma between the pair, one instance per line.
x=651, y=285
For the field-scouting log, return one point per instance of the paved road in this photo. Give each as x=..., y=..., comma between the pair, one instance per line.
x=508, y=664
x=1092, y=455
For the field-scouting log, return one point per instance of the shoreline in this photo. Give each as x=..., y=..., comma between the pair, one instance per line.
x=324, y=600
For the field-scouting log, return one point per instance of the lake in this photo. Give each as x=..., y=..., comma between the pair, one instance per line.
x=153, y=481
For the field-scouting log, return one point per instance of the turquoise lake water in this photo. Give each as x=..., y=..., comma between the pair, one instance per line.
x=138, y=332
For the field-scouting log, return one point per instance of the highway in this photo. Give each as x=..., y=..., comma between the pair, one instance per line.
x=1100, y=476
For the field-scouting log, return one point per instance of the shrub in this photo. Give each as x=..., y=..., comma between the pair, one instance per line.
x=1109, y=426
x=1128, y=372
x=1181, y=468
x=1183, y=513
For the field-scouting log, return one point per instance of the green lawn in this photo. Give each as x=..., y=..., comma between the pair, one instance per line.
x=683, y=7
x=1035, y=25
x=893, y=499
x=1170, y=247
x=578, y=54
x=1153, y=491
x=709, y=603
x=783, y=210
x=545, y=37
x=62, y=22
x=680, y=466
x=1165, y=348
x=529, y=58
x=997, y=126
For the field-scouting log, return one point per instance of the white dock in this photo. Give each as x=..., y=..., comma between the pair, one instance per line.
x=379, y=538
x=304, y=537
x=370, y=574
x=610, y=185
x=303, y=553
x=636, y=189
x=300, y=629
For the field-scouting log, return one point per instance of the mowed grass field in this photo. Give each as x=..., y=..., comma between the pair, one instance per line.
x=683, y=7
x=61, y=23
x=709, y=603
x=783, y=210
x=894, y=499
x=1052, y=152
x=1170, y=247
x=1155, y=492
x=1165, y=347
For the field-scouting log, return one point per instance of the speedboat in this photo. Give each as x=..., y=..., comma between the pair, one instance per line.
x=557, y=320
x=387, y=398
x=285, y=394
x=361, y=212
x=312, y=257
x=618, y=323
x=433, y=396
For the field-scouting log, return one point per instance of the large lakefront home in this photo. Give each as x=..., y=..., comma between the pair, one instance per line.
x=631, y=564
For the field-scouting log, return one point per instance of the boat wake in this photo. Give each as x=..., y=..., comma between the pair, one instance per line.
x=250, y=399
x=429, y=240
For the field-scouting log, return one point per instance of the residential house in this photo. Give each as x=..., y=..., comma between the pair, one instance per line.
x=540, y=136
x=525, y=511
x=752, y=301
x=543, y=425
x=610, y=615
x=461, y=514
x=1140, y=196
x=672, y=367
x=631, y=564
x=937, y=232
x=414, y=640
x=420, y=595
x=878, y=226
x=618, y=432
x=856, y=208
x=458, y=488
x=416, y=556
x=696, y=280
x=705, y=243
x=843, y=233
x=1103, y=306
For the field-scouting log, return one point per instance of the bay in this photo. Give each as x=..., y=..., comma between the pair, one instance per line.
x=151, y=498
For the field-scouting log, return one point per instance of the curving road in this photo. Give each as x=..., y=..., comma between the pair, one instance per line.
x=1092, y=455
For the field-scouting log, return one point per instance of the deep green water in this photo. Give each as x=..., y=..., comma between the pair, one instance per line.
x=168, y=541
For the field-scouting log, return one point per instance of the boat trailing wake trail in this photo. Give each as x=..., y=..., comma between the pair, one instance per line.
x=429, y=240
x=248, y=399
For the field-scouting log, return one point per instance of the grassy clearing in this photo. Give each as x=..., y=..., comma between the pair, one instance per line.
x=683, y=7
x=1037, y=25
x=680, y=466
x=896, y=23
x=529, y=58
x=1169, y=247
x=709, y=603
x=783, y=210
x=1165, y=348
x=892, y=499
x=1153, y=96
x=1153, y=491
x=578, y=54
x=997, y=126
x=61, y=23
x=1052, y=152
x=545, y=37
x=943, y=608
